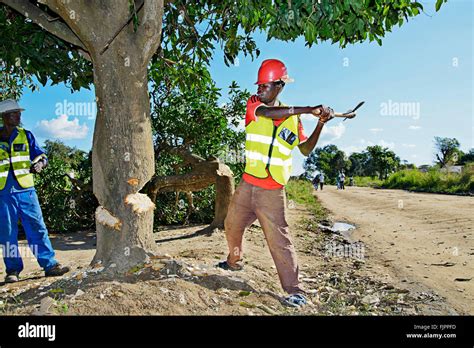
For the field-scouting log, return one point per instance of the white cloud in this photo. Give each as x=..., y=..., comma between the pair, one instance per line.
x=362, y=145
x=240, y=126
x=384, y=143
x=353, y=148
x=408, y=145
x=414, y=127
x=62, y=128
x=333, y=132
x=376, y=130
x=308, y=117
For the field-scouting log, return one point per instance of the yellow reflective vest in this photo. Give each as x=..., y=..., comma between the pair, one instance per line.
x=268, y=147
x=18, y=156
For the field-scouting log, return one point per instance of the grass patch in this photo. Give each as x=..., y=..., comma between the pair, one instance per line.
x=432, y=181
x=367, y=181
x=301, y=192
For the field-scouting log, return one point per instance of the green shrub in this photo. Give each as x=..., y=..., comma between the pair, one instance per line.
x=432, y=181
x=65, y=208
x=169, y=213
x=366, y=181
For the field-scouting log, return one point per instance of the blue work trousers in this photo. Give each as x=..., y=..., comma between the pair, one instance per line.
x=24, y=205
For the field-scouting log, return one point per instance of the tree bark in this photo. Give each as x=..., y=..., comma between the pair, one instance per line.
x=123, y=154
x=122, y=159
x=224, y=191
x=57, y=28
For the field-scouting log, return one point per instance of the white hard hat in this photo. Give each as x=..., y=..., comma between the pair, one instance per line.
x=9, y=105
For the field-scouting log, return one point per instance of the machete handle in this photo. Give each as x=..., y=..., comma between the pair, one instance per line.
x=350, y=113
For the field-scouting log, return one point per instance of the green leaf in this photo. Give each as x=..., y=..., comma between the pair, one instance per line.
x=438, y=4
x=56, y=291
x=244, y=293
x=246, y=304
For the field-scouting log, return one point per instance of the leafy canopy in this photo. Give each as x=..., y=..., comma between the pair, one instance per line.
x=192, y=29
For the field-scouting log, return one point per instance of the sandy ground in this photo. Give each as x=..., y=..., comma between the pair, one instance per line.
x=418, y=239
x=187, y=282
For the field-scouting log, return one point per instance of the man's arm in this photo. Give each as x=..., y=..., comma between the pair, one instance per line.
x=278, y=112
x=308, y=145
x=37, y=155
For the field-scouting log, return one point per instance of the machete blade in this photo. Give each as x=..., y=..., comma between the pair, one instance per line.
x=350, y=112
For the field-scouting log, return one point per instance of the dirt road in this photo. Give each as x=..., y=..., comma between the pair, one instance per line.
x=187, y=281
x=415, y=238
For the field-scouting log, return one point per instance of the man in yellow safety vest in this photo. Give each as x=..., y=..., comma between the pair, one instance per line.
x=273, y=130
x=20, y=158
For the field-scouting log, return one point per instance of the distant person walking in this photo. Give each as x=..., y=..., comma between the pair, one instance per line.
x=316, y=182
x=321, y=180
x=351, y=181
x=342, y=178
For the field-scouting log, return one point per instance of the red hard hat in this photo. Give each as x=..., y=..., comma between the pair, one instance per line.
x=272, y=70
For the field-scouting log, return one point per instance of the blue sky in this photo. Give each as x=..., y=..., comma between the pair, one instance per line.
x=417, y=85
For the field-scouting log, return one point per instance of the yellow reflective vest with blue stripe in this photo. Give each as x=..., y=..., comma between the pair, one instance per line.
x=268, y=147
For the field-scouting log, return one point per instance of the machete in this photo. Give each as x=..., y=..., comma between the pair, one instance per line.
x=350, y=113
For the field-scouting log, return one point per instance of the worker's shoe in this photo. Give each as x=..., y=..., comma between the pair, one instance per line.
x=225, y=265
x=12, y=277
x=56, y=271
x=295, y=300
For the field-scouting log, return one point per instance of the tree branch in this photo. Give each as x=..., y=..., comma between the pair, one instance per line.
x=150, y=30
x=86, y=19
x=45, y=21
x=139, y=7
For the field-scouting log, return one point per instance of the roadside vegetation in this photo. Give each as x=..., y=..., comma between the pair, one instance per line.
x=433, y=181
x=301, y=191
x=452, y=171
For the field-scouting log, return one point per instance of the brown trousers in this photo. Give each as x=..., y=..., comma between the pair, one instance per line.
x=268, y=206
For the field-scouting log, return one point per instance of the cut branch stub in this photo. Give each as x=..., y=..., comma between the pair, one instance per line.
x=139, y=202
x=105, y=217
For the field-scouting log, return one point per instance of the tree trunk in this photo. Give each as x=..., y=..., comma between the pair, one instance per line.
x=122, y=156
x=123, y=160
x=224, y=191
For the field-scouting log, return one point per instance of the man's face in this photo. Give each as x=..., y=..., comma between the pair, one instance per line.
x=11, y=118
x=267, y=92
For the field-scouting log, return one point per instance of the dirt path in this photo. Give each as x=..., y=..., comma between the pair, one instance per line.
x=415, y=238
x=186, y=281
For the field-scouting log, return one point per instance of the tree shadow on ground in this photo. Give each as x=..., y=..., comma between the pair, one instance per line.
x=22, y=280
x=82, y=240
x=207, y=231
x=215, y=281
